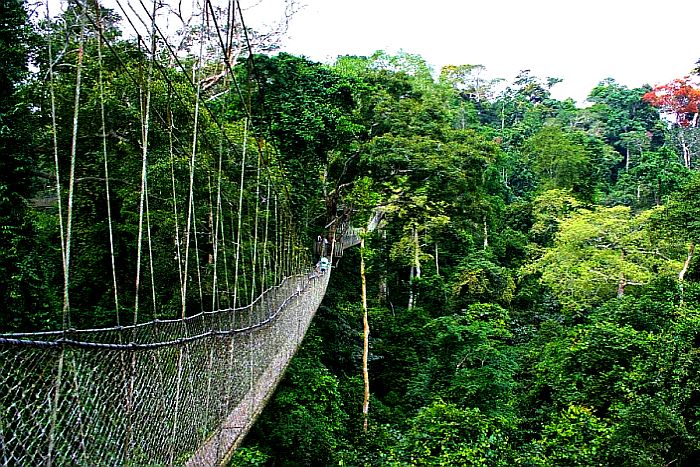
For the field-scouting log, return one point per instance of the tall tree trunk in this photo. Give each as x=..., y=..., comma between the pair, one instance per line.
x=686, y=149
x=410, y=288
x=365, y=340
x=437, y=260
x=686, y=265
x=621, y=285
x=486, y=234
x=623, y=281
x=415, y=269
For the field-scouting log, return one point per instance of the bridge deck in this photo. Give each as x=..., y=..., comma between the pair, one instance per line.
x=217, y=450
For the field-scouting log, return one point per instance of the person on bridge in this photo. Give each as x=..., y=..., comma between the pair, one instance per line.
x=324, y=264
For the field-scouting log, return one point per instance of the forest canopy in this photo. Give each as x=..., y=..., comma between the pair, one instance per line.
x=532, y=288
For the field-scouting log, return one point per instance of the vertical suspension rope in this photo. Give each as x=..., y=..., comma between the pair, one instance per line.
x=178, y=255
x=145, y=122
x=278, y=244
x=196, y=257
x=216, y=227
x=54, y=135
x=212, y=234
x=288, y=249
x=222, y=222
x=265, y=241
x=104, y=156
x=190, y=204
x=240, y=210
x=254, y=260
x=150, y=256
x=71, y=177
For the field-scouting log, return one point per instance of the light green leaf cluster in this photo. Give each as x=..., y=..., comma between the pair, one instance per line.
x=597, y=253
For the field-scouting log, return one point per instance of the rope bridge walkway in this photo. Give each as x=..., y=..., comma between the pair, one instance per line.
x=161, y=393
x=174, y=262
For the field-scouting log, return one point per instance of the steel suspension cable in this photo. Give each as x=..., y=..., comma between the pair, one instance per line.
x=190, y=203
x=145, y=122
x=240, y=212
x=71, y=176
x=104, y=156
x=217, y=221
x=54, y=137
x=267, y=225
x=178, y=256
x=254, y=259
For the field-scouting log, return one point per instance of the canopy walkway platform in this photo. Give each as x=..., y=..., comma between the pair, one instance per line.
x=162, y=393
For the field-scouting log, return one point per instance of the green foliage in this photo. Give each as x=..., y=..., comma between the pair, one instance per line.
x=557, y=159
x=249, y=457
x=576, y=437
x=680, y=216
x=469, y=361
x=479, y=280
x=546, y=327
x=545, y=324
x=597, y=253
x=445, y=434
x=22, y=280
x=306, y=418
x=548, y=210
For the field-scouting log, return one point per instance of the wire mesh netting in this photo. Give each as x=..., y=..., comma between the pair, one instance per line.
x=161, y=393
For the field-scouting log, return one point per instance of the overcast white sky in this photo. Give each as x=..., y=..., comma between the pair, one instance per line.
x=581, y=41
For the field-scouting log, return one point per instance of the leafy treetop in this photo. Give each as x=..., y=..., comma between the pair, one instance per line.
x=680, y=97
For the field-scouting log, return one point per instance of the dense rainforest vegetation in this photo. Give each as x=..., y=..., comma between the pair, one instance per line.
x=533, y=289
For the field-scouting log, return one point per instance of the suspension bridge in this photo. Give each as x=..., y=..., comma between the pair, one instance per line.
x=182, y=274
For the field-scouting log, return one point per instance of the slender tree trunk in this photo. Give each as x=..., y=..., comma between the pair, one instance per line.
x=415, y=269
x=623, y=281
x=686, y=265
x=686, y=149
x=416, y=252
x=621, y=285
x=365, y=340
x=437, y=260
x=410, y=289
x=503, y=118
x=486, y=234
x=383, y=289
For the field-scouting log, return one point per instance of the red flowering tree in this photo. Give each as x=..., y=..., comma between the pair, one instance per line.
x=681, y=99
